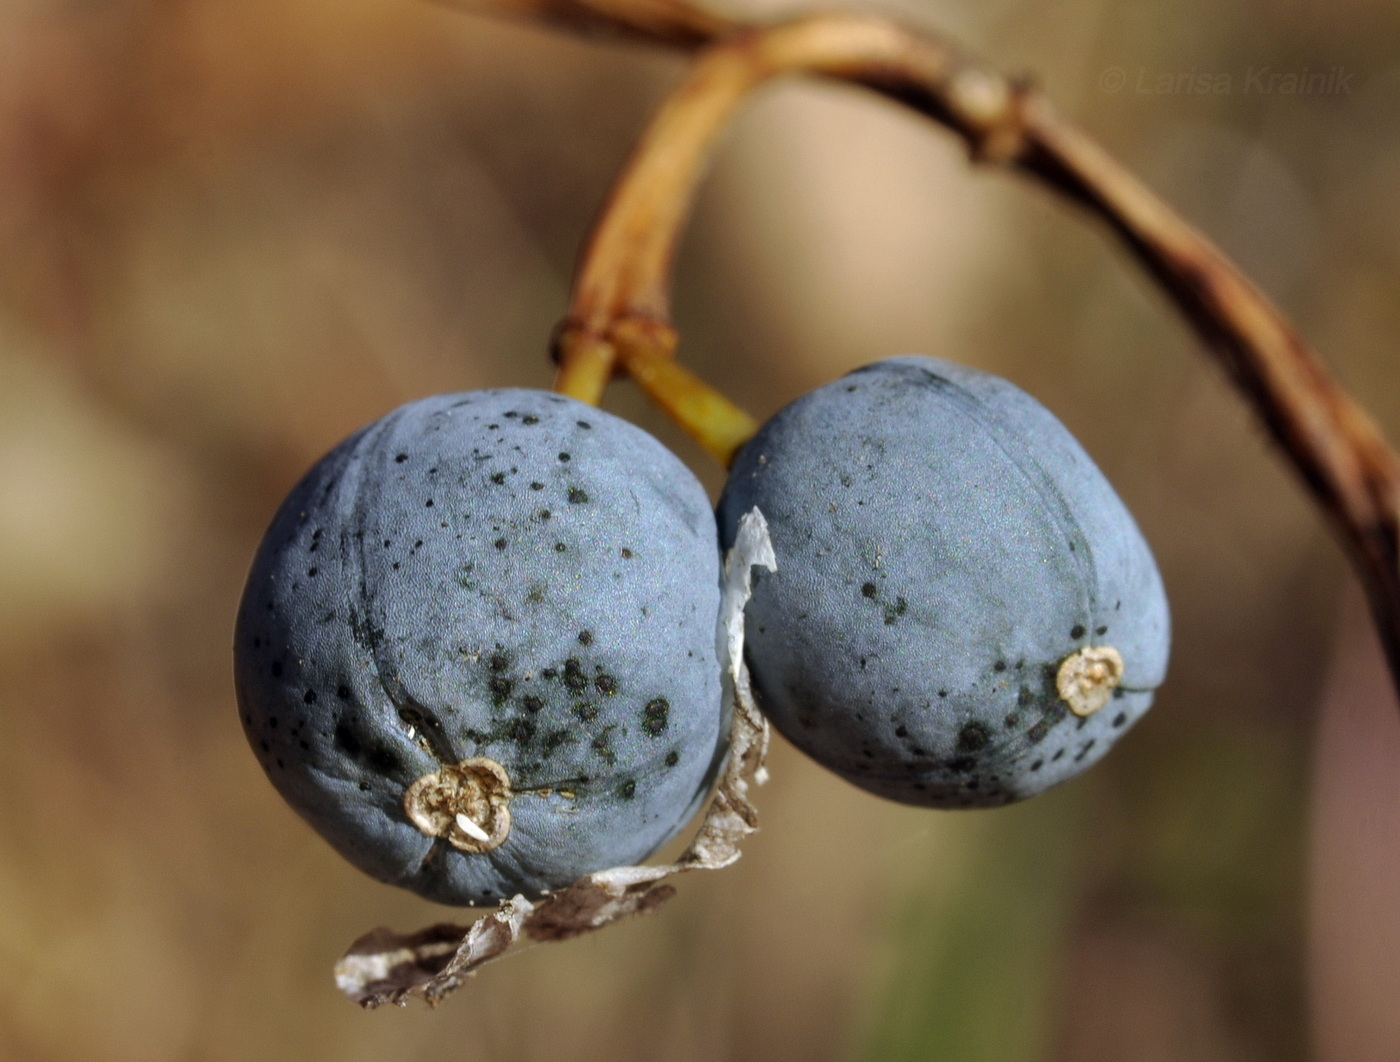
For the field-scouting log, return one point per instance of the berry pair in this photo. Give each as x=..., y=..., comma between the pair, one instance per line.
x=477, y=647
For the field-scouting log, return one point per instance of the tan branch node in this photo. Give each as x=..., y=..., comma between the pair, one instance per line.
x=993, y=110
x=465, y=803
x=636, y=331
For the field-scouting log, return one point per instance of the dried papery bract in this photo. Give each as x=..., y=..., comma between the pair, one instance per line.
x=388, y=967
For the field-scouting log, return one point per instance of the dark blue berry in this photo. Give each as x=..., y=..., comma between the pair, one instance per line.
x=471, y=658
x=944, y=547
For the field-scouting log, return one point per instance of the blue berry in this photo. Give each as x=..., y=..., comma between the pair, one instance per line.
x=476, y=650
x=964, y=613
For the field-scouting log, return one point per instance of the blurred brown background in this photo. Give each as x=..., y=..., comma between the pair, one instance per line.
x=230, y=232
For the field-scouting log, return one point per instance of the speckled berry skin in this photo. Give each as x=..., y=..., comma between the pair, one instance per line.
x=506, y=574
x=943, y=544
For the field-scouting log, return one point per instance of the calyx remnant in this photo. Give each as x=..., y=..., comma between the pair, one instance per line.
x=466, y=803
x=1088, y=677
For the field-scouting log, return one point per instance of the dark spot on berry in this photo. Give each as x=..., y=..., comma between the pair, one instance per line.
x=532, y=704
x=868, y=590
x=347, y=741
x=564, y=457
x=626, y=553
x=1077, y=631
x=655, y=716
x=500, y=688
x=606, y=685
x=672, y=758
x=499, y=661
x=382, y=760
x=962, y=764
x=627, y=790
x=520, y=731
x=559, y=547
x=401, y=458
x=498, y=477
x=1000, y=665
x=577, y=496
x=1120, y=718
x=972, y=738
x=586, y=710
x=585, y=637
x=343, y=692
x=529, y=418
x=276, y=669
x=902, y=731
x=537, y=486
x=309, y=697
x=574, y=677
x=500, y=543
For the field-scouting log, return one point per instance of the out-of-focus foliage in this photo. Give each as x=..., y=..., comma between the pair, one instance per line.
x=232, y=232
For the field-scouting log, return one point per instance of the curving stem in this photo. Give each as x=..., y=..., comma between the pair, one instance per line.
x=619, y=313
x=1328, y=437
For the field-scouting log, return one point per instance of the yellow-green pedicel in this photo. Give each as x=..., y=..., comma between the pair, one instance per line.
x=964, y=613
x=477, y=647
